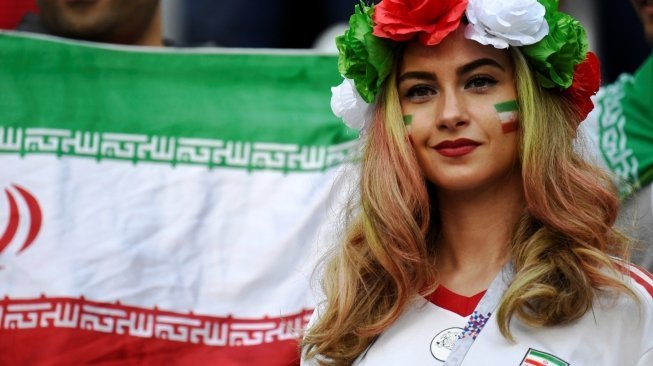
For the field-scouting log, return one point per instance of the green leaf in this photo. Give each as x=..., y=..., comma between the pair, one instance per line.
x=556, y=55
x=364, y=58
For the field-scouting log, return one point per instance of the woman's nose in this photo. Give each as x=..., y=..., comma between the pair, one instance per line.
x=453, y=112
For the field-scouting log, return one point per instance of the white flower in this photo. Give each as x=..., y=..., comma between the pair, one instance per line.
x=504, y=23
x=347, y=104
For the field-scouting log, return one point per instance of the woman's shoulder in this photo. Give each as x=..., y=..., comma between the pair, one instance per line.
x=627, y=319
x=629, y=310
x=639, y=279
x=619, y=326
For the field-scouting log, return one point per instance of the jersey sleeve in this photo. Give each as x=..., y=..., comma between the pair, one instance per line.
x=644, y=284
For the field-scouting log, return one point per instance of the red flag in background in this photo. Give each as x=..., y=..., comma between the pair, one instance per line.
x=12, y=11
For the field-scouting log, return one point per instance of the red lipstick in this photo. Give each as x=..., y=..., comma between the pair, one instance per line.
x=456, y=148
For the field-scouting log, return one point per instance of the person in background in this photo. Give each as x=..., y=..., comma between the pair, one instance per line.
x=478, y=235
x=260, y=23
x=128, y=22
x=644, y=10
x=620, y=136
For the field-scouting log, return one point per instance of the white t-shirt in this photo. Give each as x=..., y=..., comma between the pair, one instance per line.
x=614, y=332
x=434, y=325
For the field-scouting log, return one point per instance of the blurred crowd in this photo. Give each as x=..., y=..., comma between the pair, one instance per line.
x=306, y=24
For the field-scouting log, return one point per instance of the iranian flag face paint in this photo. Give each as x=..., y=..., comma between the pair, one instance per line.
x=508, y=115
x=408, y=120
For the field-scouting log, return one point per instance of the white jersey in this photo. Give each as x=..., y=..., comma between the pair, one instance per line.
x=614, y=332
x=433, y=327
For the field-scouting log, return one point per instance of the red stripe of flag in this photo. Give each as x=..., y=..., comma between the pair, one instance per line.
x=509, y=126
x=533, y=362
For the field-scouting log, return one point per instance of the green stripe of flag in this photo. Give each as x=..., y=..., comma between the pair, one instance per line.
x=506, y=106
x=552, y=359
x=278, y=98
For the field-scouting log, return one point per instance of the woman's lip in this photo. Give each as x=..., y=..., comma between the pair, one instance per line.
x=455, y=148
x=452, y=152
x=456, y=143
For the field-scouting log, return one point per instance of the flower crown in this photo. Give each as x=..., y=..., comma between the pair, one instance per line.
x=554, y=43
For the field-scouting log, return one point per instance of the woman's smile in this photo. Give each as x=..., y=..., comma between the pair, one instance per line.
x=456, y=148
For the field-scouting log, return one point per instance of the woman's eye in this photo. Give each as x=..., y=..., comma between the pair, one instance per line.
x=480, y=83
x=420, y=92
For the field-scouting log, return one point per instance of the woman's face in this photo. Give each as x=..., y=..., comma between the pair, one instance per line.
x=458, y=99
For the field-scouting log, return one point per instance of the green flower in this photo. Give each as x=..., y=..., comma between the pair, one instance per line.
x=555, y=56
x=365, y=58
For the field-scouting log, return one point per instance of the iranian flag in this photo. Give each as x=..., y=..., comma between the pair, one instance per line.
x=538, y=358
x=162, y=207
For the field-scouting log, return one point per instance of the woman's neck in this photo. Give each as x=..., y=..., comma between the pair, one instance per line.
x=476, y=231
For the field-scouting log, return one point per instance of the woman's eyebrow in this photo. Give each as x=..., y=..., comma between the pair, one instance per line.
x=464, y=69
x=419, y=75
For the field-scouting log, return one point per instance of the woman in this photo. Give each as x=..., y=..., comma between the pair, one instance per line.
x=479, y=236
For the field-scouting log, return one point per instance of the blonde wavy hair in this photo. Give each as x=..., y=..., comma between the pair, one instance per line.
x=562, y=246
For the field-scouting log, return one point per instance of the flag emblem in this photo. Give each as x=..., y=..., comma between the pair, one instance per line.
x=538, y=358
x=32, y=218
x=508, y=115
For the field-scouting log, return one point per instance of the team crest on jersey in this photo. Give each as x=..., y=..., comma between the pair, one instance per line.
x=538, y=358
x=443, y=343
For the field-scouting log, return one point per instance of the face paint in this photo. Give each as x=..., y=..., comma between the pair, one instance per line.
x=408, y=119
x=508, y=115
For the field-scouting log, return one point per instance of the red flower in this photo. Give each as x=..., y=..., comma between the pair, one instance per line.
x=431, y=20
x=587, y=79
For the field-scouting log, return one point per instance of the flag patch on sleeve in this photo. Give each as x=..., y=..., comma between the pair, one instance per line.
x=538, y=358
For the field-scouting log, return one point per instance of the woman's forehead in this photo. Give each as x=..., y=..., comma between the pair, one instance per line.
x=454, y=50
